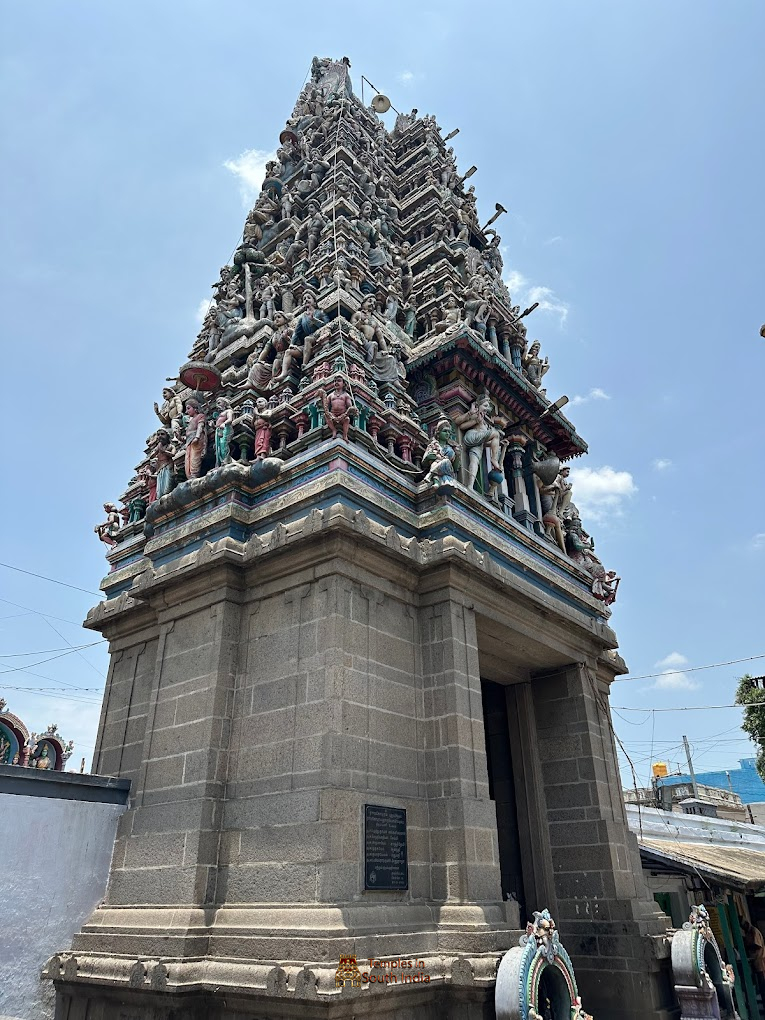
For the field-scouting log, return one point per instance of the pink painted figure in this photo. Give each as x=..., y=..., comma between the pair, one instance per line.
x=148, y=474
x=339, y=408
x=196, y=438
x=262, y=429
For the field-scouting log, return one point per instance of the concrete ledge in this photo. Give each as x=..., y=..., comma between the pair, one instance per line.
x=23, y=782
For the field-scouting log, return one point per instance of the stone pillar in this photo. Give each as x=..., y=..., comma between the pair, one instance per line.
x=463, y=824
x=522, y=508
x=605, y=913
x=167, y=843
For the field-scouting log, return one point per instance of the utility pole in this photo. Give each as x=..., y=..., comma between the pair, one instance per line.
x=690, y=768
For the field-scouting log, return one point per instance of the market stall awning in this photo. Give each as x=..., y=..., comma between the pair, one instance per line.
x=733, y=867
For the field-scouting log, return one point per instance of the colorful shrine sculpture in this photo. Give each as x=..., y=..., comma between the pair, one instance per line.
x=535, y=980
x=363, y=253
x=40, y=751
x=703, y=983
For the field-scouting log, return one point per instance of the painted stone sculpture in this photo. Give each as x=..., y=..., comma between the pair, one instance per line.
x=536, y=980
x=196, y=439
x=374, y=265
x=440, y=457
x=339, y=408
x=702, y=982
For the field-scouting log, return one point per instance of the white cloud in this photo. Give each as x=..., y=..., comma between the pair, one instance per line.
x=758, y=542
x=553, y=240
x=673, y=679
x=405, y=77
x=202, y=309
x=661, y=464
x=250, y=168
x=595, y=394
x=599, y=493
x=524, y=293
x=673, y=659
x=515, y=282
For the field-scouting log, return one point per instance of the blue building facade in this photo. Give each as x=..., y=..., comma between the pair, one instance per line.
x=744, y=781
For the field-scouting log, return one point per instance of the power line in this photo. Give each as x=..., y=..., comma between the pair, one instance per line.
x=45, y=651
x=79, y=653
x=53, y=580
x=41, y=691
x=21, y=669
x=684, y=669
x=47, y=616
x=687, y=708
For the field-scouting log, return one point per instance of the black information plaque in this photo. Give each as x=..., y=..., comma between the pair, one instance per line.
x=385, y=859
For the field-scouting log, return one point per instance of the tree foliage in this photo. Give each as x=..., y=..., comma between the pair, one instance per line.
x=749, y=694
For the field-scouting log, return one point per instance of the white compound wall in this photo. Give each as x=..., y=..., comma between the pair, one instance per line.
x=54, y=862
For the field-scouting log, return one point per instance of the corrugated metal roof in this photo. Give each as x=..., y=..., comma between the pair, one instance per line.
x=734, y=867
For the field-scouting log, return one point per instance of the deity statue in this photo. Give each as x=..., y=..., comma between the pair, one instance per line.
x=268, y=295
x=339, y=408
x=287, y=294
x=287, y=203
x=224, y=425
x=452, y=316
x=481, y=421
x=477, y=304
x=312, y=226
x=262, y=418
x=366, y=323
x=109, y=530
x=196, y=438
x=148, y=477
x=366, y=227
x=263, y=212
x=164, y=453
x=564, y=489
x=581, y=549
x=340, y=274
x=44, y=762
x=410, y=317
x=171, y=411
x=533, y=365
x=548, y=498
x=311, y=319
x=491, y=254
x=441, y=457
x=391, y=306
x=5, y=747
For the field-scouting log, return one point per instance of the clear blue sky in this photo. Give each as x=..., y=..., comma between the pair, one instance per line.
x=627, y=141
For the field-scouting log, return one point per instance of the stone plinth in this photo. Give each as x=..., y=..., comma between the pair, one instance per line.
x=262, y=692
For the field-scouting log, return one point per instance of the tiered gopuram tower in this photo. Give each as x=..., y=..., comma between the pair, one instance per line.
x=360, y=652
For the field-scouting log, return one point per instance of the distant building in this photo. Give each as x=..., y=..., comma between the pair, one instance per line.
x=680, y=797
x=744, y=781
x=693, y=859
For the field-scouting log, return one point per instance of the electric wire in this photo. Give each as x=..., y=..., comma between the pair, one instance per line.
x=36, y=612
x=21, y=669
x=53, y=580
x=687, y=708
x=45, y=651
x=687, y=669
x=43, y=692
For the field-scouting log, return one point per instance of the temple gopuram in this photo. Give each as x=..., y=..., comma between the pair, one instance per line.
x=359, y=635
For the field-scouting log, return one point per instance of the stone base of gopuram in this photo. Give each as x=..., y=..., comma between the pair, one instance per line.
x=433, y=987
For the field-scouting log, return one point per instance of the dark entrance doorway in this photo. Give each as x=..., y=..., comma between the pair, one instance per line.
x=499, y=755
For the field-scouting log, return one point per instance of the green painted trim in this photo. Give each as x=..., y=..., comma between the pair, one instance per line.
x=751, y=992
x=738, y=988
